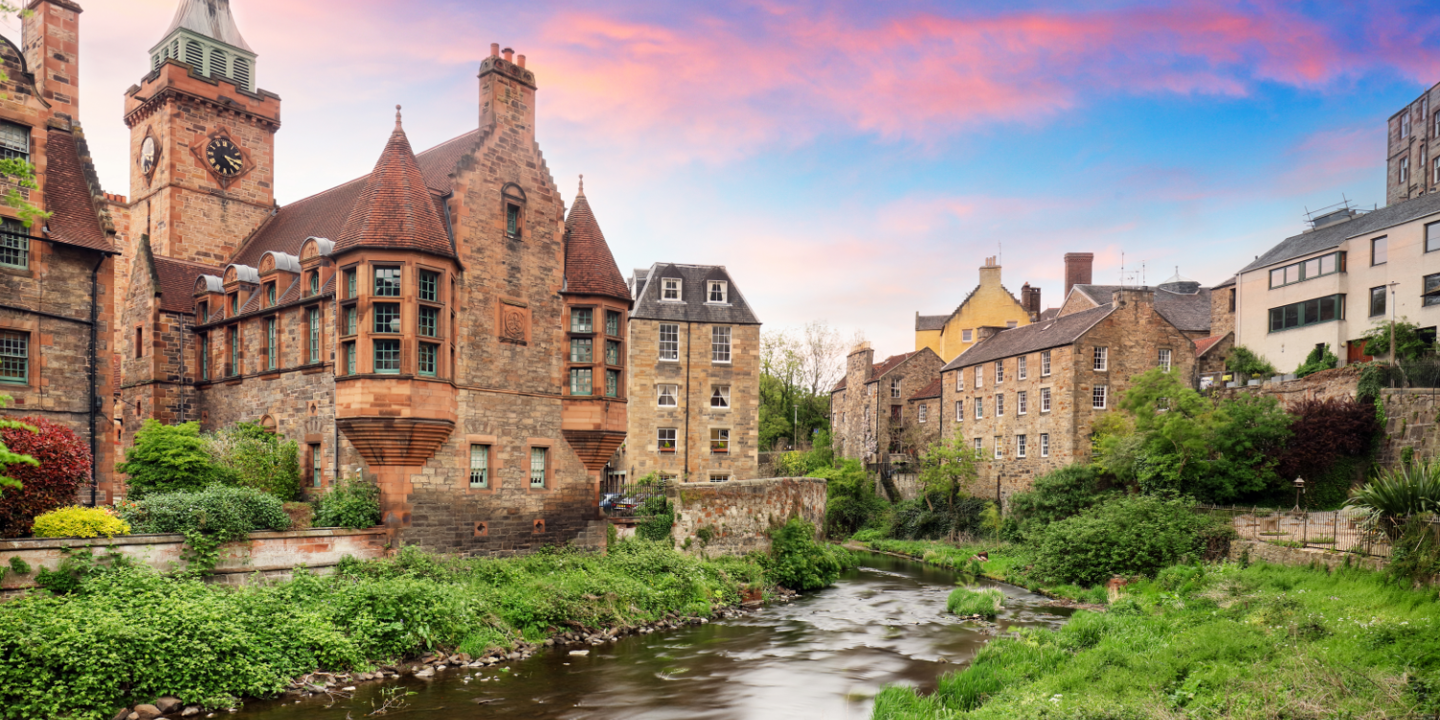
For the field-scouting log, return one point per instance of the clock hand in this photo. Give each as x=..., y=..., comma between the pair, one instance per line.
x=233, y=162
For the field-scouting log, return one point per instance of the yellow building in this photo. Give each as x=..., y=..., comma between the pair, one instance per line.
x=988, y=305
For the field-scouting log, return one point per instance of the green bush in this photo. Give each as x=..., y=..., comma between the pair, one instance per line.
x=1244, y=361
x=168, y=458
x=223, y=513
x=1126, y=536
x=985, y=602
x=1055, y=496
x=350, y=504
x=248, y=455
x=79, y=522
x=798, y=562
x=850, y=499
x=654, y=520
x=937, y=516
x=1320, y=358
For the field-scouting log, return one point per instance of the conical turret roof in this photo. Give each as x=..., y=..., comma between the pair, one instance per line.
x=589, y=267
x=210, y=18
x=396, y=210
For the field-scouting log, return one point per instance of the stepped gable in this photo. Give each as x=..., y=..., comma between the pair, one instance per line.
x=590, y=268
x=73, y=219
x=324, y=214
x=396, y=210
x=175, y=281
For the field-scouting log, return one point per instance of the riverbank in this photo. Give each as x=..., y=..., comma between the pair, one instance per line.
x=1225, y=640
x=127, y=635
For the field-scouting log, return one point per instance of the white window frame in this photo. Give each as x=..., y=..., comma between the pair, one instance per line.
x=979, y=446
x=667, y=390
x=718, y=477
x=482, y=467
x=1404, y=170
x=670, y=290
x=999, y=371
x=979, y=376
x=1045, y=363
x=959, y=411
x=720, y=345
x=967, y=336
x=1020, y=446
x=669, y=349
x=1044, y=445
x=1021, y=406
x=921, y=413
x=1165, y=358
x=999, y=448
x=1405, y=124
x=1102, y=358
x=721, y=393
x=895, y=387
x=1435, y=162
x=1099, y=397
x=999, y=405
x=1022, y=371
x=714, y=287
x=1045, y=400
x=542, y=454
x=960, y=381
x=979, y=408
x=660, y=440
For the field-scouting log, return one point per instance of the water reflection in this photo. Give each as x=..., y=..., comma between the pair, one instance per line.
x=825, y=655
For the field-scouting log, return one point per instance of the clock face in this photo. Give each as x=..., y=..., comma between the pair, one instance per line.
x=147, y=155
x=224, y=157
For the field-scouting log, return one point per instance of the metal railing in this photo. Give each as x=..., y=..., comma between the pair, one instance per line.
x=1345, y=530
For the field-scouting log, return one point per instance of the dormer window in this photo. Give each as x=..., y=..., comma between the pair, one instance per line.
x=717, y=292
x=270, y=294
x=315, y=283
x=202, y=311
x=234, y=304
x=14, y=141
x=670, y=289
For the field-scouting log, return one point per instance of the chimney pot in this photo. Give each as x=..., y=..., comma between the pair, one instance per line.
x=520, y=60
x=509, y=54
x=1078, y=267
x=494, y=49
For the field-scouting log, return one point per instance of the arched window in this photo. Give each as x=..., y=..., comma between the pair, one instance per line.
x=242, y=73
x=195, y=55
x=218, y=68
x=513, y=202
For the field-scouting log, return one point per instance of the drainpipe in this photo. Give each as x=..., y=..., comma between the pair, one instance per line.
x=685, y=473
x=93, y=372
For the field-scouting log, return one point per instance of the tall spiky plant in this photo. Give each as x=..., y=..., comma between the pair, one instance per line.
x=1400, y=492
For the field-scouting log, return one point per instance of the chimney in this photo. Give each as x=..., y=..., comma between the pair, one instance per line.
x=1138, y=297
x=985, y=332
x=990, y=273
x=1030, y=300
x=1077, y=270
x=51, y=40
x=507, y=94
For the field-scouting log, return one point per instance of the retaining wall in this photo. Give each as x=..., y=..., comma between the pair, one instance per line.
x=1300, y=556
x=1324, y=385
x=273, y=555
x=740, y=513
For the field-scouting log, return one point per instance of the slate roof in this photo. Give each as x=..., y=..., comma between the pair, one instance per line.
x=74, y=219
x=210, y=18
x=590, y=268
x=395, y=209
x=692, y=307
x=1331, y=236
x=1190, y=312
x=930, y=322
x=929, y=391
x=1049, y=314
x=175, y=281
x=1227, y=283
x=1061, y=331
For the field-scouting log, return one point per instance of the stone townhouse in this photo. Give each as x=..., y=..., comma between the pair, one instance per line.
x=434, y=327
x=57, y=277
x=1412, y=153
x=988, y=305
x=920, y=422
x=867, y=406
x=1026, y=398
x=694, y=345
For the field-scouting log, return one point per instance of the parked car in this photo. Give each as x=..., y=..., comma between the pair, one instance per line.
x=627, y=503
x=608, y=500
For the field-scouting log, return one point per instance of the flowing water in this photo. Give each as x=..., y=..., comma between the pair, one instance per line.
x=824, y=655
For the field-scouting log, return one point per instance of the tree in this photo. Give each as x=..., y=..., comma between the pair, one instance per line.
x=797, y=371
x=251, y=456
x=947, y=468
x=1409, y=343
x=166, y=458
x=60, y=465
x=1244, y=361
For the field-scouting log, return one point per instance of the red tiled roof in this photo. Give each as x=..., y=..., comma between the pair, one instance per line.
x=889, y=364
x=324, y=214
x=589, y=267
x=396, y=209
x=838, y=386
x=1204, y=344
x=176, y=282
x=929, y=391
x=73, y=219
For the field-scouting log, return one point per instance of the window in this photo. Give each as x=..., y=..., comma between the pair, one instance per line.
x=387, y=356
x=922, y=412
x=612, y=323
x=314, y=464
x=204, y=357
x=387, y=317
x=1232, y=300
x=429, y=286
x=581, y=350
x=1019, y=446
x=1378, y=251
x=1102, y=358
x=315, y=283
x=387, y=282
x=429, y=320
x=1022, y=404
x=313, y=317
x=894, y=387
x=428, y=360
x=612, y=352
x=720, y=344
x=14, y=245
x=999, y=371
x=1044, y=445
x=1044, y=400
x=352, y=320
x=1435, y=131
x=234, y=332
x=139, y=342
x=719, y=440
x=1432, y=231
x=979, y=446
x=479, y=466
x=1021, y=371
x=979, y=377
x=270, y=344
x=720, y=397
x=967, y=335
x=1405, y=125
x=1097, y=397
x=716, y=293
x=960, y=381
x=999, y=448
x=959, y=411
x=612, y=383
x=14, y=357
x=350, y=286
x=1165, y=359
x=1045, y=364
x=512, y=220
x=580, y=379
x=979, y=408
x=665, y=440
x=1310, y=312
x=537, y=466
x=1404, y=170
x=668, y=395
x=270, y=294
x=1435, y=164
x=716, y=477
x=669, y=342
x=670, y=289
x=202, y=310
x=1010, y=324
x=582, y=320
x=999, y=405
x=14, y=141
x=349, y=351
x=1315, y=267
x=1432, y=291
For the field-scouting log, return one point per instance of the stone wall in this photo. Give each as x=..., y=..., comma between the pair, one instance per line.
x=1412, y=420
x=1324, y=385
x=273, y=555
x=740, y=513
x=1266, y=552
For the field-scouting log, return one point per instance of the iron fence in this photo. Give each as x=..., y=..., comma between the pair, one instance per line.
x=1346, y=530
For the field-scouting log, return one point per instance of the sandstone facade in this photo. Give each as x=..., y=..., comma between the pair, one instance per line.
x=867, y=406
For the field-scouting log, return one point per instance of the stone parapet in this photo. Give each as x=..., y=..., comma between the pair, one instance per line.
x=740, y=513
x=1278, y=555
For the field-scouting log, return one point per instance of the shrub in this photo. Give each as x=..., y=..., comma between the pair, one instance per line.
x=1320, y=358
x=850, y=499
x=1400, y=492
x=248, y=455
x=350, y=504
x=654, y=520
x=1126, y=536
x=985, y=602
x=223, y=513
x=936, y=516
x=1054, y=496
x=168, y=458
x=1323, y=432
x=1409, y=343
x=1244, y=361
x=62, y=466
x=798, y=562
x=80, y=522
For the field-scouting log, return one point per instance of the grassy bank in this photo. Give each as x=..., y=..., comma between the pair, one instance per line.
x=128, y=635
x=1207, y=641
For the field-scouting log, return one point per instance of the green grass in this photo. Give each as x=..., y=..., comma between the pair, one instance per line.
x=1262, y=642
x=985, y=602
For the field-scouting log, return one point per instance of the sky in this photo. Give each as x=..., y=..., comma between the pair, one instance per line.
x=854, y=162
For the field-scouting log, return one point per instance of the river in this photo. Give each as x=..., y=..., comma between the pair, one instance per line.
x=825, y=654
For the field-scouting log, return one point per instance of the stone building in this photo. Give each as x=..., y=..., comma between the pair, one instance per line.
x=988, y=305
x=1412, y=154
x=1026, y=398
x=694, y=348
x=920, y=422
x=57, y=276
x=867, y=406
x=433, y=327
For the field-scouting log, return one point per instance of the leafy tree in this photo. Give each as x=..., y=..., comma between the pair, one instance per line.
x=797, y=371
x=7, y=456
x=1175, y=424
x=1055, y=496
x=946, y=469
x=850, y=499
x=1320, y=358
x=248, y=455
x=1243, y=360
x=1409, y=344
x=168, y=458
x=1250, y=432
x=60, y=464
x=1323, y=433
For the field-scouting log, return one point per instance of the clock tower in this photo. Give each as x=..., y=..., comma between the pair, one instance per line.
x=202, y=139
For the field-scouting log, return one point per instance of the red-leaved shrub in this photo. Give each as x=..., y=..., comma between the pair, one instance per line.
x=1325, y=431
x=64, y=465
